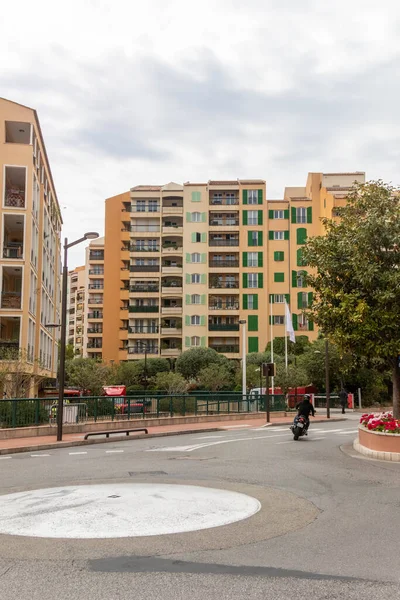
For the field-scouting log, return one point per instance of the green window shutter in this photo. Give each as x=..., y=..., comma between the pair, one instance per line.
x=294, y=278
x=245, y=303
x=286, y=235
x=245, y=217
x=287, y=296
x=203, y=342
x=188, y=299
x=193, y=237
x=260, y=238
x=188, y=217
x=204, y=258
x=255, y=302
x=202, y=320
x=249, y=239
x=309, y=214
x=244, y=196
x=203, y=217
x=299, y=299
x=260, y=259
x=270, y=235
x=187, y=257
x=299, y=257
x=187, y=342
x=301, y=235
x=294, y=321
x=279, y=277
x=293, y=214
x=260, y=280
x=253, y=323
x=271, y=298
x=260, y=196
x=188, y=278
x=203, y=278
x=253, y=344
x=270, y=214
x=203, y=299
x=187, y=320
x=310, y=298
x=245, y=280
x=245, y=259
x=310, y=326
x=203, y=237
x=260, y=217
x=286, y=214
x=279, y=256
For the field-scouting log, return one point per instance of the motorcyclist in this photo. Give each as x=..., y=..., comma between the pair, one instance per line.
x=304, y=408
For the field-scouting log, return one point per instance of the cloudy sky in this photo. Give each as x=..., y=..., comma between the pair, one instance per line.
x=154, y=91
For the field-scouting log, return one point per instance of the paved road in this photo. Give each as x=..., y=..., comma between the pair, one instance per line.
x=328, y=527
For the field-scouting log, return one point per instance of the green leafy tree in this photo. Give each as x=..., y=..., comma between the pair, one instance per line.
x=257, y=358
x=291, y=378
x=297, y=348
x=190, y=363
x=253, y=377
x=215, y=377
x=171, y=383
x=312, y=361
x=87, y=375
x=357, y=277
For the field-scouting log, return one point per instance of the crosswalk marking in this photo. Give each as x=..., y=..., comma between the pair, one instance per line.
x=5, y=457
x=39, y=455
x=114, y=451
x=73, y=453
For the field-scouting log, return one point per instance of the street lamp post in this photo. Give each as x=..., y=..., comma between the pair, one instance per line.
x=91, y=235
x=244, y=373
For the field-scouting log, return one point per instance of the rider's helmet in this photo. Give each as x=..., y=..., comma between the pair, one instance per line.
x=306, y=398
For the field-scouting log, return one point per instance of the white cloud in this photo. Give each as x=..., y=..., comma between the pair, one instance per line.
x=142, y=92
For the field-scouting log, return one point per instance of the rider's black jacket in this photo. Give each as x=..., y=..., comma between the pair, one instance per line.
x=305, y=408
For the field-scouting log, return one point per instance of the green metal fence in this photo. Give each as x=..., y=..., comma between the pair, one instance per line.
x=23, y=412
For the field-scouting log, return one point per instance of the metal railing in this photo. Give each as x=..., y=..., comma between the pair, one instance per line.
x=93, y=315
x=223, y=223
x=145, y=248
x=144, y=268
x=223, y=327
x=224, y=201
x=145, y=208
x=223, y=285
x=226, y=349
x=234, y=242
x=223, y=263
x=28, y=412
x=144, y=288
x=224, y=306
x=143, y=329
x=152, y=309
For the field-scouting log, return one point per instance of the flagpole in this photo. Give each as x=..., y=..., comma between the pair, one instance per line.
x=272, y=346
x=286, y=357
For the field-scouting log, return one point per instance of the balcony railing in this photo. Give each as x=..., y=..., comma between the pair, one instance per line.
x=229, y=349
x=14, y=198
x=223, y=327
x=224, y=201
x=224, y=222
x=149, y=350
x=95, y=330
x=95, y=301
x=8, y=345
x=96, y=255
x=94, y=346
x=144, y=309
x=96, y=286
x=144, y=268
x=144, y=288
x=143, y=228
x=93, y=315
x=224, y=306
x=13, y=251
x=225, y=242
x=224, y=285
x=145, y=208
x=143, y=329
x=11, y=300
x=96, y=271
x=134, y=248
x=224, y=263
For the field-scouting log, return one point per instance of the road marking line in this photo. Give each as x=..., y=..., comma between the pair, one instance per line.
x=316, y=439
x=278, y=443
x=5, y=457
x=208, y=437
x=234, y=426
x=73, y=453
x=114, y=451
x=39, y=455
x=352, y=431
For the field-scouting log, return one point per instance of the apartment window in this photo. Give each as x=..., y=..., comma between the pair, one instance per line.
x=303, y=300
x=278, y=320
x=139, y=262
x=230, y=198
x=252, y=198
x=196, y=217
x=252, y=217
x=195, y=278
x=195, y=320
x=302, y=322
x=252, y=280
x=18, y=132
x=252, y=259
x=197, y=237
x=152, y=244
x=301, y=215
x=153, y=205
x=301, y=279
x=217, y=198
x=255, y=238
x=252, y=301
x=279, y=235
x=196, y=257
x=140, y=205
x=195, y=299
x=279, y=214
x=195, y=340
x=279, y=298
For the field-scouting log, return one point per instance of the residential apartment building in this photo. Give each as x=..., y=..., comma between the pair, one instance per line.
x=30, y=238
x=94, y=273
x=185, y=264
x=76, y=309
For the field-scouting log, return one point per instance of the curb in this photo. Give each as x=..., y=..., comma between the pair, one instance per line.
x=375, y=454
x=71, y=443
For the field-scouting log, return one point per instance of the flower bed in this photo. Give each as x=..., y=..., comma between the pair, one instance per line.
x=379, y=436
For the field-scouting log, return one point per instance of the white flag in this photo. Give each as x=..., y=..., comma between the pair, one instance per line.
x=289, y=324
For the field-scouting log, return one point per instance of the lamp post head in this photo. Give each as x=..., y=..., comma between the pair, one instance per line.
x=91, y=235
x=242, y=322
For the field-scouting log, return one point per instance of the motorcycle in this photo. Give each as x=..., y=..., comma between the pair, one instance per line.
x=299, y=427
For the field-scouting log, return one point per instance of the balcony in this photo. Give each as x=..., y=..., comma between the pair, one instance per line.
x=13, y=236
x=96, y=271
x=171, y=310
x=222, y=283
x=224, y=219
x=11, y=287
x=224, y=200
x=226, y=349
x=144, y=268
x=172, y=249
x=223, y=327
x=135, y=329
x=171, y=331
x=95, y=330
x=172, y=210
x=171, y=269
x=172, y=230
x=9, y=341
x=144, y=309
x=145, y=288
x=145, y=248
x=142, y=351
x=92, y=346
x=96, y=286
x=223, y=305
x=220, y=242
x=8, y=347
x=143, y=228
x=171, y=352
x=95, y=315
x=95, y=301
x=96, y=255
x=15, y=181
x=139, y=207
x=224, y=264
x=172, y=290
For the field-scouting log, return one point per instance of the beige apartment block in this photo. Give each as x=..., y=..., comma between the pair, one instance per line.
x=94, y=292
x=30, y=225
x=76, y=309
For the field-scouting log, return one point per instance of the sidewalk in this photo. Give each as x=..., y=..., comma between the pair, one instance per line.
x=47, y=442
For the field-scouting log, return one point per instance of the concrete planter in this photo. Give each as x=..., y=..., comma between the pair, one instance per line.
x=377, y=444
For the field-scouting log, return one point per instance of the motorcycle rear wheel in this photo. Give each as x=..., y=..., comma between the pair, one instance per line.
x=296, y=433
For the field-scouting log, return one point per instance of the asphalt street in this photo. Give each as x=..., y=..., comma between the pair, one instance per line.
x=328, y=526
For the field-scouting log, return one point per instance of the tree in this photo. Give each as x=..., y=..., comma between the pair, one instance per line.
x=257, y=358
x=87, y=375
x=215, y=377
x=191, y=362
x=253, y=377
x=312, y=361
x=171, y=383
x=17, y=374
x=291, y=378
x=297, y=348
x=357, y=277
